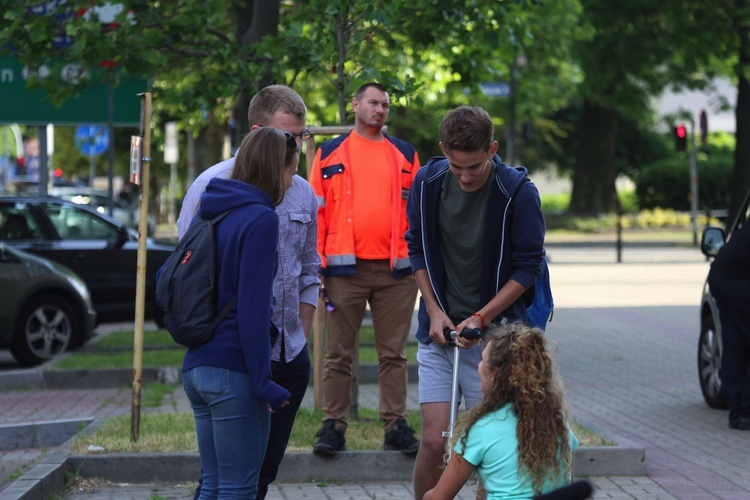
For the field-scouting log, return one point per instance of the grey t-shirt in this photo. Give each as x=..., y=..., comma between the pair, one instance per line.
x=461, y=218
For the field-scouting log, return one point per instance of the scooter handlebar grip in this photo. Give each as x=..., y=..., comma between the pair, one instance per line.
x=467, y=333
x=471, y=333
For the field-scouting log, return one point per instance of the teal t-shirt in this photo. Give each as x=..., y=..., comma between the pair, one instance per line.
x=492, y=447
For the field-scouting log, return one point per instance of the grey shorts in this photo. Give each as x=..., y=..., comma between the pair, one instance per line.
x=436, y=374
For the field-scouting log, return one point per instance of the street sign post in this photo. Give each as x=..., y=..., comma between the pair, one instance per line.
x=171, y=156
x=91, y=141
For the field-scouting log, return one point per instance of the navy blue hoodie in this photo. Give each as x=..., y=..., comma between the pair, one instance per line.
x=509, y=250
x=245, y=257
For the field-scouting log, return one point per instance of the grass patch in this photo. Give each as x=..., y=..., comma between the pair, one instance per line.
x=124, y=338
x=124, y=359
x=158, y=433
x=587, y=437
x=153, y=393
x=363, y=434
x=175, y=433
x=93, y=359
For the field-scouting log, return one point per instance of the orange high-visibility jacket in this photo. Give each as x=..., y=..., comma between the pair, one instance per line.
x=331, y=179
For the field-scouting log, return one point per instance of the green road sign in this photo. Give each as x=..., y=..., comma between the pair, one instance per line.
x=18, y=104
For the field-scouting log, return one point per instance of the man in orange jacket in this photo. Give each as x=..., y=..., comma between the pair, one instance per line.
x=362, y=180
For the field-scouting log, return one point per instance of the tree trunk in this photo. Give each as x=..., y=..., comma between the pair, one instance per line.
x=255, y=19
x=594, y=177
x=341, y=42
x=741, y=172
x=209, y=144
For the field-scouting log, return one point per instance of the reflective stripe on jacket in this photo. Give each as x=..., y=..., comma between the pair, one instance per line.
x=331, y=180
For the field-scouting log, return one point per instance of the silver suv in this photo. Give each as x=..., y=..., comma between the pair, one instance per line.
x=45, y=308
x=709, y=342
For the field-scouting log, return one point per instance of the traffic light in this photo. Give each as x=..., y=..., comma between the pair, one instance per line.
x=680, y=138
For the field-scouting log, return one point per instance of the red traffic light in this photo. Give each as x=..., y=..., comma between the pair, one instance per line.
x=680, y=138
x=58, y=172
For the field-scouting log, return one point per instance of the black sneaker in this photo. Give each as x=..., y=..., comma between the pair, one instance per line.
x=742, y=423
x=401, y=438
x=330, y=440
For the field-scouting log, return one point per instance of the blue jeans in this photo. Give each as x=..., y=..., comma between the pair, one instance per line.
x=232, y=426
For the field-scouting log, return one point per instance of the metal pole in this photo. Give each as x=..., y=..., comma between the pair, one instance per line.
x=172, y=192
x=111, y=153
x=511, y=128
x=41, y=131
x=92, y=171
x=693, y=184
x=619, y=236
x=190, y=159
x=140, y=284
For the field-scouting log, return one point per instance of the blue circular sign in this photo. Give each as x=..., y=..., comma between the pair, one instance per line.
x=91, y=140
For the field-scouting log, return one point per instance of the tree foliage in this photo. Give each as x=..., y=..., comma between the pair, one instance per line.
x=586, y=70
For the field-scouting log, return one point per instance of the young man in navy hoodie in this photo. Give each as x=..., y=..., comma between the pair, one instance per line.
x=475, y=238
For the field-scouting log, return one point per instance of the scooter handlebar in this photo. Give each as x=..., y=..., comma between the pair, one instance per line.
x=467, y=333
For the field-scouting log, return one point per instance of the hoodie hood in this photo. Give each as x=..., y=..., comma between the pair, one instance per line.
x=227, y=194
x=507, y=178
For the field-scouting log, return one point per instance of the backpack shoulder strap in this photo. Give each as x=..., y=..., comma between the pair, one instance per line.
x=229, y=305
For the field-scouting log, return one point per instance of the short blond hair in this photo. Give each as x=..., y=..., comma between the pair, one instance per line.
x=273, y=99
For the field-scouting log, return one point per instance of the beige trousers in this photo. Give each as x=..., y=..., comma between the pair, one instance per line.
x=392, y=305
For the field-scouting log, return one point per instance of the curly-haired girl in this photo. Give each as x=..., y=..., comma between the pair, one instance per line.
x=517, y=439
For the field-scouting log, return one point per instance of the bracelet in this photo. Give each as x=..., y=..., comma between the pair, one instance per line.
x=477, y=315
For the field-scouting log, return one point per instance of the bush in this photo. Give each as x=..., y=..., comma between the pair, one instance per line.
x=559, y=202
x=643, y=220
x=666, y=183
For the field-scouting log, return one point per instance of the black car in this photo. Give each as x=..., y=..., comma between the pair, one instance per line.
x=709, y=342
x=44, y=307
x=102, y=251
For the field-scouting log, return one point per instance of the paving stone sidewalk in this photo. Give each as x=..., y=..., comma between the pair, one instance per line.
x=627, y=355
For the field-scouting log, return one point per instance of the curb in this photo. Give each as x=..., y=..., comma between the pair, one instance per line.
x=37, y=378
x=48, y=477
x=345, y=466
x=41, y=434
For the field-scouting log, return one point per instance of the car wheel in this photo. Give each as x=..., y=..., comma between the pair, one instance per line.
x=46, y=327
x=709, y=364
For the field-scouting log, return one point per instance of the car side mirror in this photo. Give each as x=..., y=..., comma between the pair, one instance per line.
x=712, y=241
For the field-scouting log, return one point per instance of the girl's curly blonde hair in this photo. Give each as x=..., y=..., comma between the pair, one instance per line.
x=525, y=376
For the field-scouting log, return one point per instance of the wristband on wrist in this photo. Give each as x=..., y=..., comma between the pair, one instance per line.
x=477, y=315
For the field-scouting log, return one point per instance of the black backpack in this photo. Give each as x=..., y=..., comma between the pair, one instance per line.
x=186, y=288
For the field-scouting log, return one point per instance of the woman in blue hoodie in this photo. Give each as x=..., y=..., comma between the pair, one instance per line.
x=228, y=380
